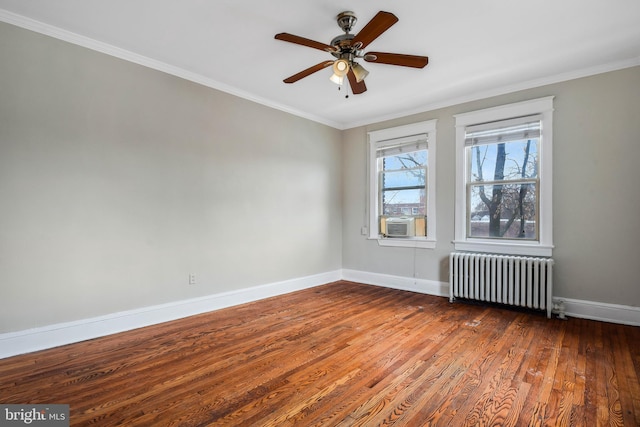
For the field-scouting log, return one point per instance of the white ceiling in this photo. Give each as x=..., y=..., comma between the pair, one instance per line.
x=476, y=48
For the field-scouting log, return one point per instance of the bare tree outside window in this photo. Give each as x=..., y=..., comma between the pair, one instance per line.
x=503, y=190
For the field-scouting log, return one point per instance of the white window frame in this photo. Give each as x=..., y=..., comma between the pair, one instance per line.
x=542, y=247
x=378, y=139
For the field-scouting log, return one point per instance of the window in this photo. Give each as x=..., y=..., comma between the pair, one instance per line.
x=402, y=185
x=402, y=175
x=503, y=179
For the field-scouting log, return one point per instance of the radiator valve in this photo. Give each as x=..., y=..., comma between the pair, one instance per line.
x=558, y=307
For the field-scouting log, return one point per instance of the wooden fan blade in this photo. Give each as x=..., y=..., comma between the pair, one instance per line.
x=378, y=25
x=356, y=88
x=304, y=42
x=397, y=59
x=308, y=71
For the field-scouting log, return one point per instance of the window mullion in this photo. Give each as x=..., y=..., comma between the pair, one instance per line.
x=505, y=182
x=412, y=187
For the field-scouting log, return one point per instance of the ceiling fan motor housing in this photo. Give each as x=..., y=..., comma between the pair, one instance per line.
x=342, y=43
x=343, y=47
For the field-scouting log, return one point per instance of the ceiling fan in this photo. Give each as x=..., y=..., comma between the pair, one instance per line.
x=348, y=47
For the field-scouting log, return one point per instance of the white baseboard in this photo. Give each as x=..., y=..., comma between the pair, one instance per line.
x=613, y=313
x=604, y=312
x=423, y=286
x=14, y=343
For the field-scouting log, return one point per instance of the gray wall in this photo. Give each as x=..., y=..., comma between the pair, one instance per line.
x=596, y=194
x=117, y=181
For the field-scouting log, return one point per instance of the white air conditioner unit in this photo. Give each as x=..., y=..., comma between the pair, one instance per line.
x=400, y=227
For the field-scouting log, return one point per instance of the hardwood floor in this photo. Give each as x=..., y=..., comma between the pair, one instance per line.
x=343, y=354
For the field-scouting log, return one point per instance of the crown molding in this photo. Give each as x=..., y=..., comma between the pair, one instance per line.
x=503, y=90
x=111, y=50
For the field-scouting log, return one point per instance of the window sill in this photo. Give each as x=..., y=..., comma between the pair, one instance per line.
x=404, y=242
x=510, y=248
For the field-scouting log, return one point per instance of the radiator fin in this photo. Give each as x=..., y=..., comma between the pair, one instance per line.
x=513, y=280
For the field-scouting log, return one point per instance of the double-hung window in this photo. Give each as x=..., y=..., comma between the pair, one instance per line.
x=503, y=194
x=402, y=185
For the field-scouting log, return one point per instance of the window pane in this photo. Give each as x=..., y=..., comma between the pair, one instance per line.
x=405, y=178
x=403, y=202
x=505, y=161
x=503, y=211
x=405, y=161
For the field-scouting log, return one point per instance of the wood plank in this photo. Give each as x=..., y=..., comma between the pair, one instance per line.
x=624, y=375
x=343, y=354
x=461, y=398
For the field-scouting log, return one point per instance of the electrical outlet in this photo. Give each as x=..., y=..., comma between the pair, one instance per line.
x=192, y=278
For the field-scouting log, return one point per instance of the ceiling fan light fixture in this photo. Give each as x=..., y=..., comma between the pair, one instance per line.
x=359, y=72
x=340, y=67
x=337, y=79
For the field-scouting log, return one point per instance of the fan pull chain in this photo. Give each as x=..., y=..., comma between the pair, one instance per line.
x=347, y=95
